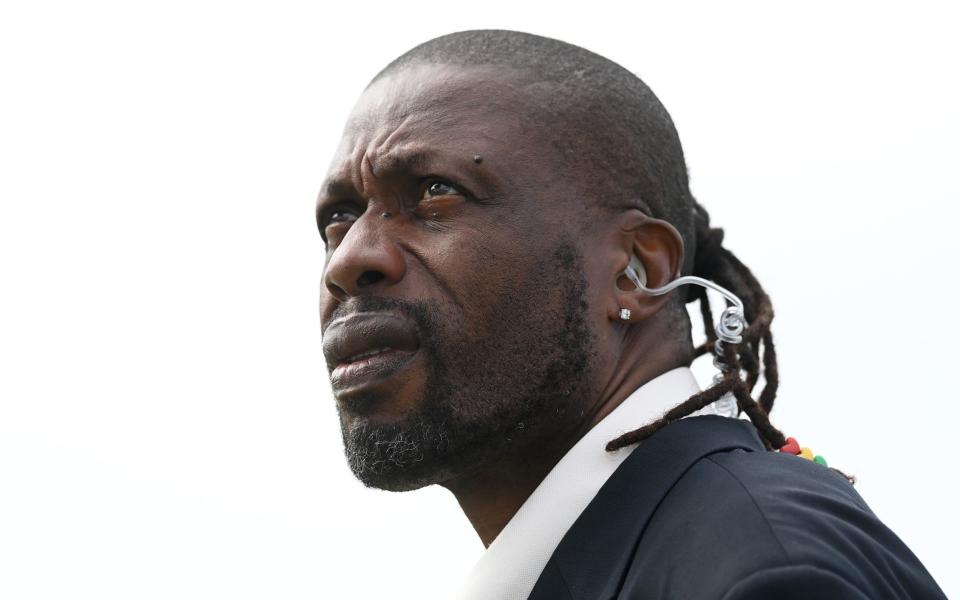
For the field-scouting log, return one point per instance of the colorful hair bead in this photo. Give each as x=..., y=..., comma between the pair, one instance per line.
x=791, y=447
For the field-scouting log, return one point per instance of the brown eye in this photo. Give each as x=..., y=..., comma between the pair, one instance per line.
x=330, y=225
x=342, y=216
x=440, y=188
x=339, y=214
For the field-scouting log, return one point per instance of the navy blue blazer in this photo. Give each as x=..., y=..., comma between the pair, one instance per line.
x=701, y=510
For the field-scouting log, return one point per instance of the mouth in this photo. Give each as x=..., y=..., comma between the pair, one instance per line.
x=368, y=348
x=369, y=367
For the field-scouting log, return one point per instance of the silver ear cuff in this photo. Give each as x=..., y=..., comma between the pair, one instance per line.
x=729, y=330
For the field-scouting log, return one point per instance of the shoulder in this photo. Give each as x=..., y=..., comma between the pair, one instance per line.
x=750, y=521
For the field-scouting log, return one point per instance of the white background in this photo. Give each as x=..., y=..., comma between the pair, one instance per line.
x=166, y=427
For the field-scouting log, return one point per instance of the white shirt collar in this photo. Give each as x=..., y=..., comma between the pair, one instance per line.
x=512, y=564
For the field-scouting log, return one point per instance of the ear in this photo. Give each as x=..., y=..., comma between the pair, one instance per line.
x=659, y=247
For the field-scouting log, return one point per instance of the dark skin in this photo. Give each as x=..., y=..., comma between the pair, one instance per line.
x=458, y=229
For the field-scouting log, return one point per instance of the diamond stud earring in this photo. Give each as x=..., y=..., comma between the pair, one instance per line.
x=624, y=314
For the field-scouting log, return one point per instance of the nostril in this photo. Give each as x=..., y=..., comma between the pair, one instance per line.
x=337, y=292
x=369, y=278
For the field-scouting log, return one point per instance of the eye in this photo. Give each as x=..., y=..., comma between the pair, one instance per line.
x=341, y=215
x=336, y=218
x=439, y=187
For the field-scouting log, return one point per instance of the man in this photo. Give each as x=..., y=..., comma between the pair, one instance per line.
x=497, y=213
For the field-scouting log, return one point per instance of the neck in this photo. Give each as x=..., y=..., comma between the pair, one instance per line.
x=490, y=497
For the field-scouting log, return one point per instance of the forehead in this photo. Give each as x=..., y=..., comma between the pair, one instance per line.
x=440, y=108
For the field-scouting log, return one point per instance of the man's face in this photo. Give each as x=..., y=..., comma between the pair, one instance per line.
x=454, y=299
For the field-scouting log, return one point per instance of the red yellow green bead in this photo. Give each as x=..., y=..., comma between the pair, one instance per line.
x=793, y=447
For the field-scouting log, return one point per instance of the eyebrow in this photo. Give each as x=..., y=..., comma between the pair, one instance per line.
x=415, y=162
x=401, y=162
x=342, y=183
x=337, y=186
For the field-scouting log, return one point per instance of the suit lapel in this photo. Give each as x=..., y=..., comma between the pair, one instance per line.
x=592, y=558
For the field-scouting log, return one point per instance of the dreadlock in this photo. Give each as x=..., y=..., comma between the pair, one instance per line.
x=747, y=361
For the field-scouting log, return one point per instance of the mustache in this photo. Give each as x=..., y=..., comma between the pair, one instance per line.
x=421, y=313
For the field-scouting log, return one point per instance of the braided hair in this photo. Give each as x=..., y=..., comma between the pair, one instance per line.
x=754, y=356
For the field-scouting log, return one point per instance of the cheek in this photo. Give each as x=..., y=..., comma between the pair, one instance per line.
x=480, y=273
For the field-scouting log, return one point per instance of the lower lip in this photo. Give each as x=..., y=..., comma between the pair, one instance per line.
x=370, y=369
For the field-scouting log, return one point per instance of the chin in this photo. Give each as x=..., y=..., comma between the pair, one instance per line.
x=399, y=451
x=403, y=483
x=400, y=468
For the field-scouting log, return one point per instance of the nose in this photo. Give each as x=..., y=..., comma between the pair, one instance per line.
x=366, y=260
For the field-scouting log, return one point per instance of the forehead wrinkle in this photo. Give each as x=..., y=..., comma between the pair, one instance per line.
x=351, y=176
x=390, y=138
x=402, y=159
x=374, y=159
x=355, y=168
x=403, y=118
x=365, y=168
